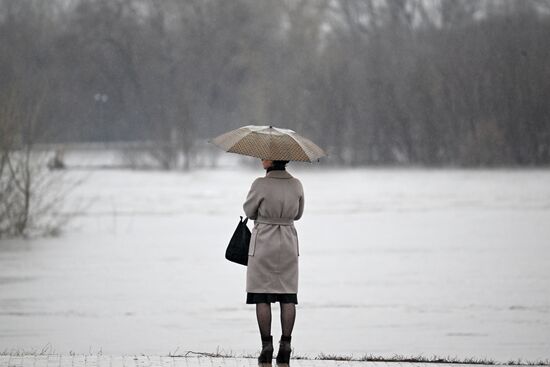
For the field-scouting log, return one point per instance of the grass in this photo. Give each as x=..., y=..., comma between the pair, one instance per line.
x=220, y=353
x=372, y=358
x=433, y=359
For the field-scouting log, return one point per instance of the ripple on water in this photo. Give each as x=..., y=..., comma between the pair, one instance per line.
x=4, y=280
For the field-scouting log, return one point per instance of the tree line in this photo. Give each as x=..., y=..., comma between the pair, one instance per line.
x=374, y=82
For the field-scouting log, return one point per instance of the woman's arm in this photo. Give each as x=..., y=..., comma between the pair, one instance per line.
x=301, y=204
x=253, y=200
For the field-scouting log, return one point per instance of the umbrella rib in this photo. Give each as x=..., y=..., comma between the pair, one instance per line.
x=270, y=140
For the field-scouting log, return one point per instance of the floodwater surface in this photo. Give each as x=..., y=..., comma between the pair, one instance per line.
x=392, y=261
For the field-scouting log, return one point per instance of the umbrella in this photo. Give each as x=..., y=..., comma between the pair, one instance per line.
x=268, y=142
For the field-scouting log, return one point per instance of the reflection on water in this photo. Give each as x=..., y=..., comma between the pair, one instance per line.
x=453, y=263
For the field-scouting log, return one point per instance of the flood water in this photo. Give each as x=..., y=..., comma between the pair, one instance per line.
x=392, y=261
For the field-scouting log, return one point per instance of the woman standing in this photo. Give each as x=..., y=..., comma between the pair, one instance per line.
x=274, y=202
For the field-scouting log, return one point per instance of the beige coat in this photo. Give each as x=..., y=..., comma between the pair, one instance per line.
x=274, y=202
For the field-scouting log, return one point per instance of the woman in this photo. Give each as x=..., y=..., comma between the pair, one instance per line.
x=274, y=202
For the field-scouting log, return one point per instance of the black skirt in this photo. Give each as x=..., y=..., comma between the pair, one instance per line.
x=252, y=298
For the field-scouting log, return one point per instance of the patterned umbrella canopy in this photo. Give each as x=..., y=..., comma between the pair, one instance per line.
x=268, y=142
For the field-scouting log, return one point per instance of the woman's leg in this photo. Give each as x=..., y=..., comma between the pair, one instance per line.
x=288, y=316
x=263, y=314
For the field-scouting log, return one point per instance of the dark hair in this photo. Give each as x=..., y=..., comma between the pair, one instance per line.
x=279, y=164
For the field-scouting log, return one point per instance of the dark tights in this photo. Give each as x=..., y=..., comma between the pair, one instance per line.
x=288, y=315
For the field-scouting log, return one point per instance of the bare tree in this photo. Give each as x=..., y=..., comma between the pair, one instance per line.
x=442, y=82
x=30, y=194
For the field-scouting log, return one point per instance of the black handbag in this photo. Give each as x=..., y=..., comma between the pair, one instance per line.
x=237, y=250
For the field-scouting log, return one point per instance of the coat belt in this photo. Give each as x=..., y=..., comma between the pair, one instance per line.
x=279, y=221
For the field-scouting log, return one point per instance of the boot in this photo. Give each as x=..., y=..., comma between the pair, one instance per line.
x=283, y=357
x=266, y=355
